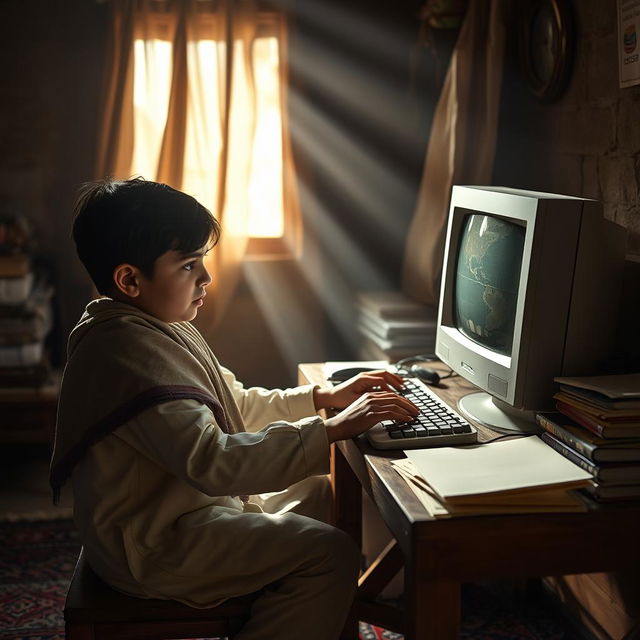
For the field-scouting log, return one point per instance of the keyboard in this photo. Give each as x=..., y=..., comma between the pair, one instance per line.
x=437, y=425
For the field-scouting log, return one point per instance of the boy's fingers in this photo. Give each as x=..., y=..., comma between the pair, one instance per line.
x=376, y=383
x=396, y=413
x=394, y=379
x=390, y=398
x=389, y=378
x=389, y=393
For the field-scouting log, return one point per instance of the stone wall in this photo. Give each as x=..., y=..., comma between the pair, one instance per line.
x=587, y=143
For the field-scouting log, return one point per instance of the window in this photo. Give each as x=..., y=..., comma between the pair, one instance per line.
x=266, y=175
x=246, y=177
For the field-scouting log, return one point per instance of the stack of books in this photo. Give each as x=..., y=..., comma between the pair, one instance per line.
x=392, y=326
x=597, y=426
x=25, y=310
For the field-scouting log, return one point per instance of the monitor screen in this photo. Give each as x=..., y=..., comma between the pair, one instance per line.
x=530, y=289
x=486, y=280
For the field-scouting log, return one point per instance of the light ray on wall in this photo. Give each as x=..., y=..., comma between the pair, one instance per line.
x=330, y=281
x=374, y=102
x=368, y=180
x=358, y=29
x=356, y=125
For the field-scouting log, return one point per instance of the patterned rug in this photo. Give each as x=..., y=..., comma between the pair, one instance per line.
x=37, y=559
x=36, y=563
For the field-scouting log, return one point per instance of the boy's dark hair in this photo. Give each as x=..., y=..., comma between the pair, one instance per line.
x=135, y=221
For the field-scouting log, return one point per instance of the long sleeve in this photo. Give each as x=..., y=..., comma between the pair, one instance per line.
x=259, y=406
x=182, y=438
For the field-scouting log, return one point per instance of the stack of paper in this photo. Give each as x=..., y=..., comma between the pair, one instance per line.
x=393, y=326
x=514, y=476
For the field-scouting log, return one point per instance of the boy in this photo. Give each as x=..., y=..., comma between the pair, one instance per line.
x=155, y=434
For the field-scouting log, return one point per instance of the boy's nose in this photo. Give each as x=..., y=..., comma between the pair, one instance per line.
x=205, y=278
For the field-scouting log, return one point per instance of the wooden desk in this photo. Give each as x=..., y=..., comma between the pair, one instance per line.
x=440, y=555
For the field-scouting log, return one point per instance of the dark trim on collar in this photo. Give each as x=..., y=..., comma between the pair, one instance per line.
x=125, y=412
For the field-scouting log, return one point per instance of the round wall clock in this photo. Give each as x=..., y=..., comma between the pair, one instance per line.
x=546, y=46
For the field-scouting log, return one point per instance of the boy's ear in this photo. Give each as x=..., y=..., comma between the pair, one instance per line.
x=126, y=278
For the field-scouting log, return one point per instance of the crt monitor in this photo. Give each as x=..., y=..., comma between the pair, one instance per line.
x=530, y=290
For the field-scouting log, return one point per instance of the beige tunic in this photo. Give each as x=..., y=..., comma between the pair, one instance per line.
x=147, y=500
x=161, y=501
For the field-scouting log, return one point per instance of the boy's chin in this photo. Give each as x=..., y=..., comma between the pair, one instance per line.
x=187, y=316
x=190, y=315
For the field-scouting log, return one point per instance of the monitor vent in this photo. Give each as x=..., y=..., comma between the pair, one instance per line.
x=497, y=385
x=444, y=349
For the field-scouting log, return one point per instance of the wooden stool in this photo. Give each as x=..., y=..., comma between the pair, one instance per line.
x=95, y=611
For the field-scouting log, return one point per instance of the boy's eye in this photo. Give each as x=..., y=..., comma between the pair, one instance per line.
x=189, y=266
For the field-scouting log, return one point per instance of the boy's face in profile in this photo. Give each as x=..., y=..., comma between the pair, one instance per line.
x=177, y=288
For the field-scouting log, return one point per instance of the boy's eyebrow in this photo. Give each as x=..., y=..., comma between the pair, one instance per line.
x=194, y=254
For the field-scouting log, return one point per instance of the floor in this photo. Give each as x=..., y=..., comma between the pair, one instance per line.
x=24, y=485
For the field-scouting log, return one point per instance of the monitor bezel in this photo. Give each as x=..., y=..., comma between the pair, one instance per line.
x=466, y=202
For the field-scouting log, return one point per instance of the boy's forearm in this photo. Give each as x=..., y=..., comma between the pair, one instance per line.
x=322, y=398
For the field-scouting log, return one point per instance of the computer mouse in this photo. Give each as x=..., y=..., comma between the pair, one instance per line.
x=426, y=375
x=346, y=374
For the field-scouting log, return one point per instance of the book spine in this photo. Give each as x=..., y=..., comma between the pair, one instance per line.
x=14, y=266
x=616, y=410
x=585, y=448
x=570, y=454
x=570, y=412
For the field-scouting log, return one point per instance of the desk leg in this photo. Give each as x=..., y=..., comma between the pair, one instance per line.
x=347, y=515
x=432, y=608
x=347, y=496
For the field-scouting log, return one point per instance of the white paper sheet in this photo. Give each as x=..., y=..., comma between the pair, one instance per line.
x=500, y=466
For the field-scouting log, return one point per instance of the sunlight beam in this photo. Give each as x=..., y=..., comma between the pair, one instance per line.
x=356, y=29
x=375, y=102
x=377, y=185
x=331, y=281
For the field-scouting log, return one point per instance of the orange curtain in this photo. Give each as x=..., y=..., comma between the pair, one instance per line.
x=461, y=148
x=181, y=109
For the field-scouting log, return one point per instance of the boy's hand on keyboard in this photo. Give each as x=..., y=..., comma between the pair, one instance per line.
x=369, y=409
x=345, y=393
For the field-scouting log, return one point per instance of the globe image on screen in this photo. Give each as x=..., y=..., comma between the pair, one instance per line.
x=487, y=276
